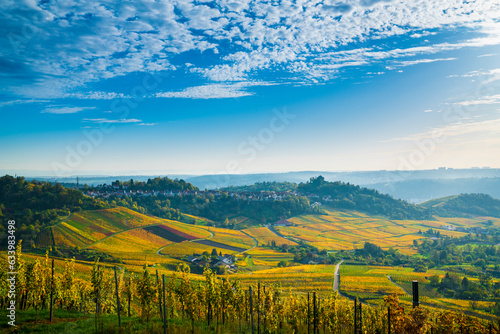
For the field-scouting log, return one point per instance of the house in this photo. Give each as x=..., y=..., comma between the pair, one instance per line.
x=282, y=223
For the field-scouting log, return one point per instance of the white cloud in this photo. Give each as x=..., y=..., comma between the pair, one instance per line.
x=493, y=99
x=213, y=91
x=16, y=102
x=105, y=120
x=428, y=110
x=486, y=77
x=96, y=95
x=454, y=130
x=147, y=124
x=68, y=46
x=65, y=110
x=488, y=55
x=417, y=61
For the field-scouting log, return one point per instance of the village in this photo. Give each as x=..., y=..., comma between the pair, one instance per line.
x=222, y=263
x=120, y=191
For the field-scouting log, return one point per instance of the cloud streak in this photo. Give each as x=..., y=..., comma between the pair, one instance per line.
x=453, y=130
x=65, y=110
x=105, y=120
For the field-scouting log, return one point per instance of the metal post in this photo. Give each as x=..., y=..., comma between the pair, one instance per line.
x=415, y=294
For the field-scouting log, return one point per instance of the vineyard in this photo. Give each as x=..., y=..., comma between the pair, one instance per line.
x=350, y=229
x=109, y=298
x=266, y=237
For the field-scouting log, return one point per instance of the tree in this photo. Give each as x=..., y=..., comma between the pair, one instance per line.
x=282, y=263
x=434, y=280
x=69, y=293
x=145, y=293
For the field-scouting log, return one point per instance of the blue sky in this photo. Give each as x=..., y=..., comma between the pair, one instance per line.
x=248, y=86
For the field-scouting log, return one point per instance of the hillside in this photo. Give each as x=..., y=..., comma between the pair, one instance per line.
x=88, y=228
x=464, y=205
x=347, y=196
x=38, y=205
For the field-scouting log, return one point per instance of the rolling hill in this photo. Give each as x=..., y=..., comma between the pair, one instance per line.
x=465, y=205
x=347, y=196
x=87, y=228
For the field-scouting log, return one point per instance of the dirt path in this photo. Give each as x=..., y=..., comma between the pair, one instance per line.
x=256, y=243
x=336, y=280
x=396, y=284
x=63, y=220
x=270, y=228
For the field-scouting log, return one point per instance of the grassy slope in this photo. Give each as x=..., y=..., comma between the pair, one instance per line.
x=437, y=201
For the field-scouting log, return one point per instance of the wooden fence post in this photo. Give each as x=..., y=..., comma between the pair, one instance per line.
x=265, y=315
x=159, y=294
x=389, y=320
x=52, y=294
x=117, y=299
x=315, y=326
x=360, y=319
x=164, y=308
x=258, y=308
x=308, y=313
x=251, y=309
x=129, y=297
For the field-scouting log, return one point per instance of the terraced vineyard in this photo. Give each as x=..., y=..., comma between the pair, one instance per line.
x=302, y=279
x=348, y=230
x=135, y=238
x=370, y=286
x=266, y=237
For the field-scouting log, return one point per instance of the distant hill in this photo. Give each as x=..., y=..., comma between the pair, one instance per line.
x=36, y=205
x=263, y=186
x=465, y=204
x=412, y=186
x=421, y=190
x=410, y=179
x=347, y=196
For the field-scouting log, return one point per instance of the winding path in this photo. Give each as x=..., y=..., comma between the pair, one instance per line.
x=63, y=219
x=256, y=243
x=271, y=228
x=396, y=284
x=336, y=280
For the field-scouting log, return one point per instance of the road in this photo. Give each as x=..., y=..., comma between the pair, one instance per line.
x=336, y=275
x=396, y=284
x=255, y=243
